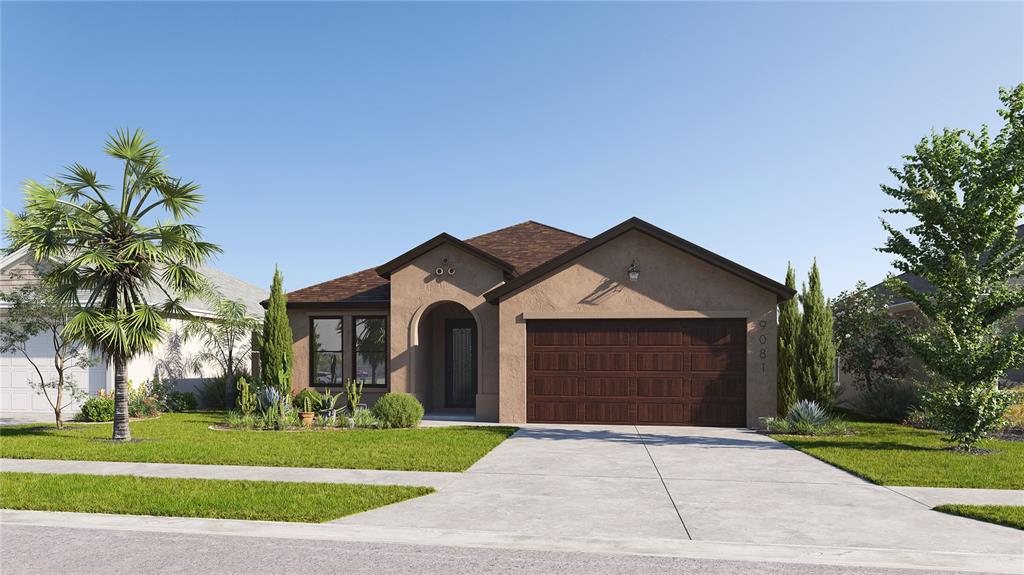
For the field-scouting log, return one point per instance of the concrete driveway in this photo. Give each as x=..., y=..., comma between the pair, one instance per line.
x=704, y=484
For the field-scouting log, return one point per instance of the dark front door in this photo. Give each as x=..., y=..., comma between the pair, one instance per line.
x=460, y=363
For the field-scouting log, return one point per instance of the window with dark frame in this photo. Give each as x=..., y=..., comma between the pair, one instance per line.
x=327, y=356
x=370, y=350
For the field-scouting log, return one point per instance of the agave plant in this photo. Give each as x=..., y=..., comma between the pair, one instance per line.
x=807, y=412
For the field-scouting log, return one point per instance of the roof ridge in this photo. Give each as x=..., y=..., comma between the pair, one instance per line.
x=556, y=229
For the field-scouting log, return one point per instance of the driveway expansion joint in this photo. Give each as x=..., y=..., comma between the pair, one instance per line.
x=663, y=484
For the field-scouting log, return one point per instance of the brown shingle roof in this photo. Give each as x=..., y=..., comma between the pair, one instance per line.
x=525, y=246
x=361, y=287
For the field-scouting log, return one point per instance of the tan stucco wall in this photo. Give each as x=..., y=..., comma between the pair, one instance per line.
x=670, y=282
x=299, y=320
x=415, y=291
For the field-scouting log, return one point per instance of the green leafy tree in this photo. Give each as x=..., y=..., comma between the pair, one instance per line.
x=815, y=350
x=964, y=192
x=226, y=339
x=869, y=340
x=789, y=332
x=108, y=250
x=276, y=341
x=32, y=310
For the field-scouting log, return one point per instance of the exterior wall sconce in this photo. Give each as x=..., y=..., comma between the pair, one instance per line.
x=633, y=272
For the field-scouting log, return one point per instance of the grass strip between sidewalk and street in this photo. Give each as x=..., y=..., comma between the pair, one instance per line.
x=893, y=454
x=210, y=498
x=187, y=438
x=1006, y=515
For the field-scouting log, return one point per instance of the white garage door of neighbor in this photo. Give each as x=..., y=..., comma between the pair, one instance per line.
x=16, y=394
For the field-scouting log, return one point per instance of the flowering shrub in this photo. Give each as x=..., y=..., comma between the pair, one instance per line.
x=98, y=408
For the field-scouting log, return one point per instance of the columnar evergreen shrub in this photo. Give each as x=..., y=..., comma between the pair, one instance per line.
x=789, y=331
x=816, y=352
x=276, y=343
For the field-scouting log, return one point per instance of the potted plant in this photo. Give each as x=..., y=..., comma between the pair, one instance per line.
x=307, y=414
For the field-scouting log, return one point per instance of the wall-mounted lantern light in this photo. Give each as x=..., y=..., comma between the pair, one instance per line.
x=633, y=272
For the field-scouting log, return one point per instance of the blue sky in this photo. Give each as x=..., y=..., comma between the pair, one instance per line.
x=331, y=137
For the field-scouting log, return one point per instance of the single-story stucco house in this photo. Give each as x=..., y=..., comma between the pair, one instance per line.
x=531, y=323
x=17, y=397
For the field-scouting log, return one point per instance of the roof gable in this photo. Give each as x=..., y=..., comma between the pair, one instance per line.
x=527, y=245
x=539, y=272
x=401, y=261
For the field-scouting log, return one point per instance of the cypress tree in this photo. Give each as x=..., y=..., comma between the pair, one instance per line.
x=276, y=340
x=789, y=332
x=815, y=350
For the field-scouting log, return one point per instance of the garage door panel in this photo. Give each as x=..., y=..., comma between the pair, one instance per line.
x=716, y=361
x=607, y=337
x=649, y=413
x=651, y=372
x=608, y=387
x=671, y=337
x=659, y=361
x=607, y=412
x=554, y=338
x=553, y=386
x=556, y=361
x=607, y=361
x=552, y=411
x=661, y=387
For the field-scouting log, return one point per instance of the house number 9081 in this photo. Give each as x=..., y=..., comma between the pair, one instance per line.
x=762, y=339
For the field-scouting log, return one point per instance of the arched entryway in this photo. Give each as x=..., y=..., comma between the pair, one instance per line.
x=447, y=365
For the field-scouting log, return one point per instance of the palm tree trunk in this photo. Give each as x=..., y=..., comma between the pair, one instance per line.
x=229, y=381
x=121, y=430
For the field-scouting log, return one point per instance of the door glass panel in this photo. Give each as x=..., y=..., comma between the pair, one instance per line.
x=462, y=366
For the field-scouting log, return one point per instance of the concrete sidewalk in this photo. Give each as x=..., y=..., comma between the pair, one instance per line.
x=436, y=480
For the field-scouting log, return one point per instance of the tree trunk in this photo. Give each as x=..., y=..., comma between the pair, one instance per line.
x=60, y=402
x=121, y=429
x=229, y=380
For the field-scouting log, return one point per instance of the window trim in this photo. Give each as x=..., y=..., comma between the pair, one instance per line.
x=387, y=352
x=312, y=361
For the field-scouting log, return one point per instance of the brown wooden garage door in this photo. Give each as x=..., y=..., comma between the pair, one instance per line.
x=645, y=372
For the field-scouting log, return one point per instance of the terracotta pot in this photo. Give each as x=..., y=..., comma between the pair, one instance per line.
x=306, y=418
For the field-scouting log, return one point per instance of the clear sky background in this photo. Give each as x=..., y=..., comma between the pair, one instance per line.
x=332, y=137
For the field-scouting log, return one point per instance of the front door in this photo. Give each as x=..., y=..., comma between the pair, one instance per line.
x=460, y=363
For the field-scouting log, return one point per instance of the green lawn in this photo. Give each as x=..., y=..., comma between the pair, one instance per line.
x=261, y=500
x=186, y=438
x=1008, y=515
x=891, y=454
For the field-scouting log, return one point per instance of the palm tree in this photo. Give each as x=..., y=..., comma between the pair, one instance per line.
x=109, y=252
x=226, y=338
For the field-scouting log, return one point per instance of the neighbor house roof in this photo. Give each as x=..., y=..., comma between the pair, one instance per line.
x=227, y=285
x=525, y=252
x=919, y=284
x=515, y=250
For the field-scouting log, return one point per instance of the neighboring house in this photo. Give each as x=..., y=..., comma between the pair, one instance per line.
x=902, y=307
x=16, y=395
x=534, y=324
